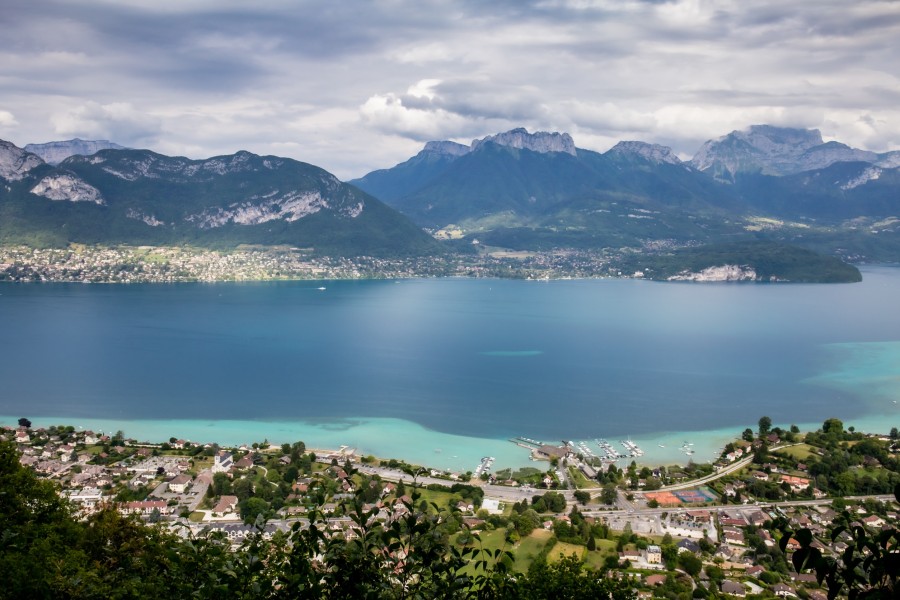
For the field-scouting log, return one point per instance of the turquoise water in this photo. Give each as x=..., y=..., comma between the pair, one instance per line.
x=430, y=370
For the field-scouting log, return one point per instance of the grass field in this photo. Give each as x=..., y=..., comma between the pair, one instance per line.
x=798, y=452
x=529, y=547
x=579, y=479
x=562, y=549
x=594, y=560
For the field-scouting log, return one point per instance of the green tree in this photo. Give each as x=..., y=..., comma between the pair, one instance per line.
x=690, y=563
x=609, y=494
x=765, y=424
x=252, y=508
x=582, y=496
x=833, y=427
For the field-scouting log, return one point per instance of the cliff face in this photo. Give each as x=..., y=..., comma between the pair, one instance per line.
x=56, y=152
x=15, y=163
x=541, y=141
x=720, y=273
x=776, y=151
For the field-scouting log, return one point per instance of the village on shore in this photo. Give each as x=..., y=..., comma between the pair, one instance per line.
x=717, y=528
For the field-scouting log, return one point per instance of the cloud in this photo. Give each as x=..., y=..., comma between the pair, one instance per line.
x=7, y=119
x=312, y=80
x=119, y=121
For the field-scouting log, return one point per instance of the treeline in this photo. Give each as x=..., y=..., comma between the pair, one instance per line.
x=46, y=552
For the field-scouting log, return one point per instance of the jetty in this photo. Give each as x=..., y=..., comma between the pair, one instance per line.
x=485, y=467
x=633, y=450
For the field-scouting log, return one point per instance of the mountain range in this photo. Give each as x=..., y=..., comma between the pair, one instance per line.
x=515, y=190
x=528, y=191
x=120, y=196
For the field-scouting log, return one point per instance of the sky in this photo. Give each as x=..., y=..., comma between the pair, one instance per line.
x=353, y=86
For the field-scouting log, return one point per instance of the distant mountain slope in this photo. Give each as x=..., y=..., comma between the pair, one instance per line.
x=138, y=196
x=777, y=151
x=540, y=182
x=537, y=191
x=55, y=152
x=844, y=190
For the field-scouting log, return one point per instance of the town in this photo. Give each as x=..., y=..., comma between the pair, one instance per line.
x=735, y=527
x=150, y=264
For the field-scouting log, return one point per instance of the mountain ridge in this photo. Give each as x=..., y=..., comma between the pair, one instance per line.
x=139, y=196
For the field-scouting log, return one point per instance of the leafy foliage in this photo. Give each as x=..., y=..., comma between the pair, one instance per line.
x=46, y=553
x=869, y=568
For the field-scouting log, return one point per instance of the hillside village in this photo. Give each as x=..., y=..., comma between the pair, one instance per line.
x=695, y=531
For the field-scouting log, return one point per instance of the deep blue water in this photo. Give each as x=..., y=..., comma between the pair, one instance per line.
x=485, y=358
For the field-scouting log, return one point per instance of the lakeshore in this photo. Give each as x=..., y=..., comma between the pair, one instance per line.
x=410, y=442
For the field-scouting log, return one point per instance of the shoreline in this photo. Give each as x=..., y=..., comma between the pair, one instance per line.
x=410, y=442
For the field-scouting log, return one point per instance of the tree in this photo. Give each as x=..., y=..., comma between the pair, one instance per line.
x=894, y=434
x=582, y=496
x=609, y=493
x=252, y=508
x=765, y=424
x=690, y=563
x=23, y=422
x=833, y=427
x=747, y=435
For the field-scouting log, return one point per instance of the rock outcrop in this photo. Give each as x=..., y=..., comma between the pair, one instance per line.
x=55, y=152
x=540, y=141
x=15, y=163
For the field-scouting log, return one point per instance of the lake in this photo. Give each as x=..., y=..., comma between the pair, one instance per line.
x=443, y=369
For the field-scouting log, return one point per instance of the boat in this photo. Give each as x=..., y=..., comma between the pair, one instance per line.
x=321, y=289
x=660, y=445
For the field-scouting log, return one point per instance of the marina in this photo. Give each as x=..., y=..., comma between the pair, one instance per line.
x=485, y=467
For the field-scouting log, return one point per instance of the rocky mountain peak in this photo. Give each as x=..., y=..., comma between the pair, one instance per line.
x=654, y=153
x=447, y=148
x=56, y=152
x=16, y=162
x=540, y=141
x=773, y=150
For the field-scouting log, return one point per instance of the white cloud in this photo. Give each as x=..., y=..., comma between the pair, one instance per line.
x=118, y=121
x=7, y=120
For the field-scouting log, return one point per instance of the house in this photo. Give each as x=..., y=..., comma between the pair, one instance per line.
x=145, y=507
x=654, y=580
x=873, y=521
x=756, y=518
x=754, y=571
x=687, y=545
x=780, y=589
x=654, y=554
x=733, y=589
x=798, y=484
x=225, y=505
x=244, y=463
x=464, y=506
x=180, y=484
